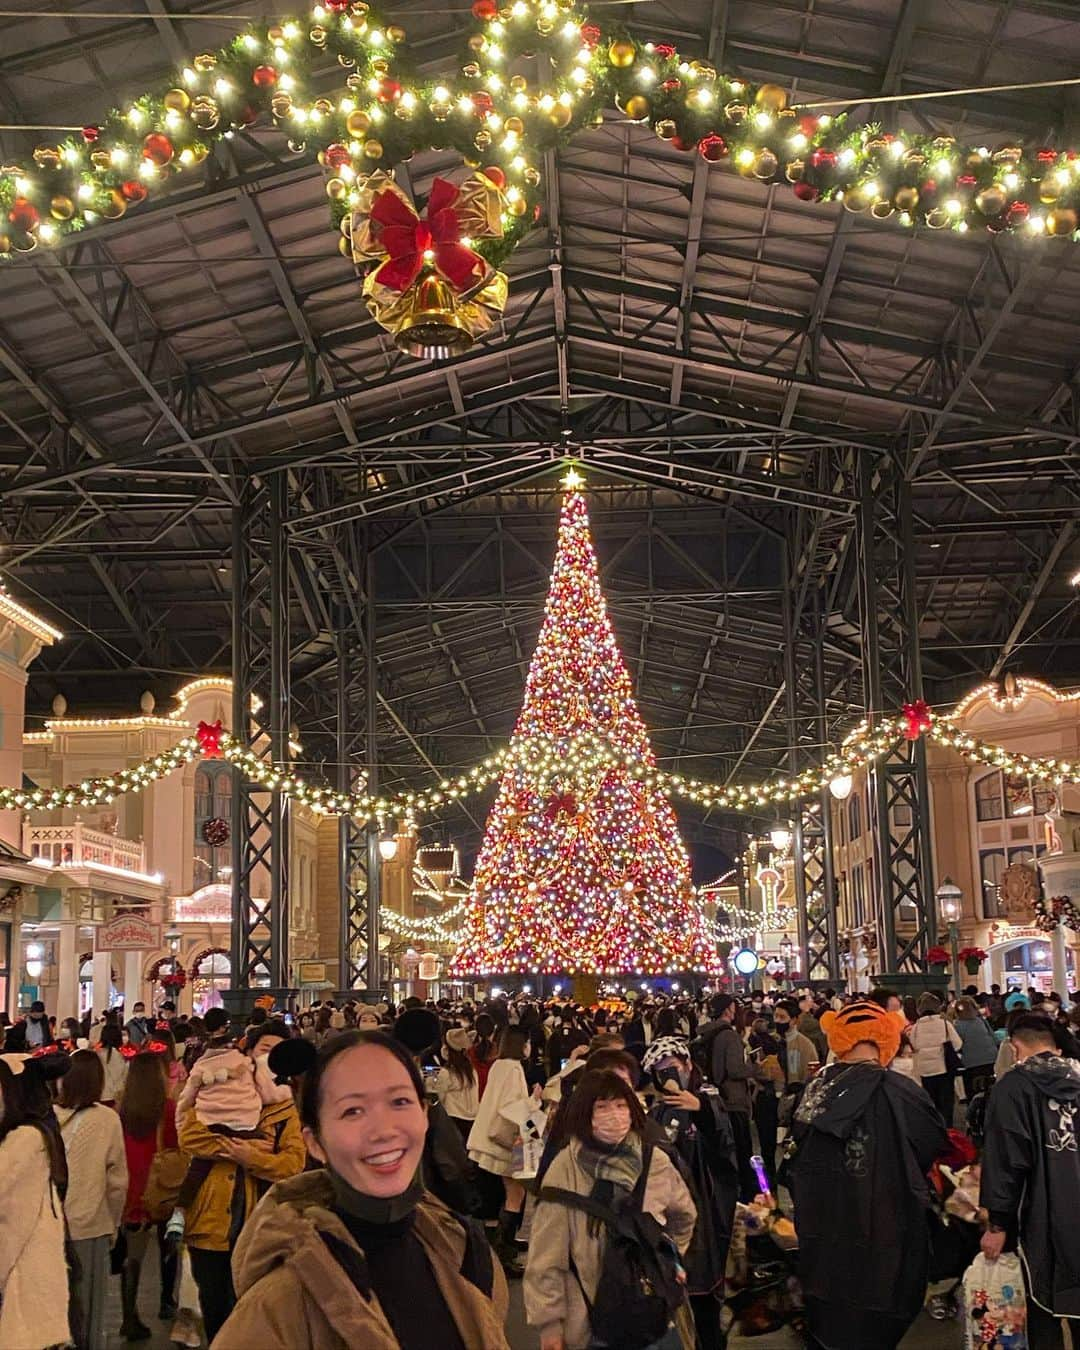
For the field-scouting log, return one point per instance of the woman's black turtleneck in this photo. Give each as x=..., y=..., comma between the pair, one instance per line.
x=400, y=1272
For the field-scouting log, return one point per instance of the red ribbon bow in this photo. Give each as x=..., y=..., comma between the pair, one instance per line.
x=916, y=718
x=411, y=241
x=560, y=803
x=209, y=736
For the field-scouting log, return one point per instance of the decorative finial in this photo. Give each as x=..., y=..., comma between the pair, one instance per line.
x=572, y=480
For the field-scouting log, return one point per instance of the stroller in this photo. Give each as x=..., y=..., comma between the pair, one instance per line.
x=955, y=1229
x=763, y=1290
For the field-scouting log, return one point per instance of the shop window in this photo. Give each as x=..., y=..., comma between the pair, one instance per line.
x=1045, y=800
x=989, y=797
x=855, y=817
x=213, y=802
x=858, y=894
x=211, y=975
x=991, y=866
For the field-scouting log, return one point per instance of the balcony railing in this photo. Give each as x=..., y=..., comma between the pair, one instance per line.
x=80, y=846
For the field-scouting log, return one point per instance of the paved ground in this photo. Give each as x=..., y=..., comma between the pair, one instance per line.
x=925, y=1335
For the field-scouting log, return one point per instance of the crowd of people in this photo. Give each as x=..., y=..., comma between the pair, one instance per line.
x=654, y=1171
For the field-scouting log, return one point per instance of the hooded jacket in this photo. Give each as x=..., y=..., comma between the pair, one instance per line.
x=1031, y=1174
x=295, y=1293
x=729, y=1069
x=866, y=1139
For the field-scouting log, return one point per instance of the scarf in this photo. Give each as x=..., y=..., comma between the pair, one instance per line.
x=375, y=1209
x=620, y=1166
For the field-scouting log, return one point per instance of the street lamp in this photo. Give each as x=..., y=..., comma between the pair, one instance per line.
x=785, y=956
x=950, y=897
x=780, y=837
x=840, y=786
x=388, y=848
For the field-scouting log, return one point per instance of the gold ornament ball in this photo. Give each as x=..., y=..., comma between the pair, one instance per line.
x=881, y=208
x=1061, y=220
x=560, y=116
x=5, y=243
x=177, y=100
x=519, y=207
x=47, y=156
x=477, y=42
x=974, y=162
x=360, y=9
x=771, y=98
x=345, y=61
x=380, y=66
x=354, y=82
x=794, y=169
x=281, y=105
x=943, y=143
x=637, y=107
x=991, y=200
x=704, y=70
x=100, y=159
x=373, y=149
x=937, y=218
x=856, y=200
x=346, y=226
x=518, y=84
x=276, y=33
x=621, y=53
x=1048, y=191
x=471, y=71
x=345, y=248
x=914, y=159
x=204, y=62
x=61, y=208
x=482, y=139
x=358, y=123
x=396, y=33
x=906, y=198
x=336, y=189
x=199, y=152
x=204, y=112
x=1008, y=154
x=114, y=206
x=875, y=144
x=765, y=164
x=545, y=27
x=403, y=113
x=666, y=129
x=735, y=112
x=440, y=109
x=317, y=34
x=323, y=106
x=532, y=177
x=515, y=124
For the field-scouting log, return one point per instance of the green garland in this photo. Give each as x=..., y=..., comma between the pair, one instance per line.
x=381, y=114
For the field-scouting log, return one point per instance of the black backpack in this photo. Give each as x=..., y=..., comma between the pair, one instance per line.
x=638, y=1292
x=701, y=1050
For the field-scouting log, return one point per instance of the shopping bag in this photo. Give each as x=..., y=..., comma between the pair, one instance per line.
x=528, y=1146
x=995, y=1307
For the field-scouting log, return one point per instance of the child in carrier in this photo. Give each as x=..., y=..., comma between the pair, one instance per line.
x=227, y=1091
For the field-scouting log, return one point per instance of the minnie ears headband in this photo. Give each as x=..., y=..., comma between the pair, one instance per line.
x=47, y=1062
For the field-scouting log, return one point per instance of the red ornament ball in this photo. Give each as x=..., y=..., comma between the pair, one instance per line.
x=91, y=134
x=1046, y=156
x=822, y=158
x=24, y=215
x=680, y=144
x=495, y=175
x=485, y=10
x=806, y=192
x=482, y=103
x=1017, y=212
x=133, y=191
x=664, y=50
x=671, y=86
x=336, y=155
x=590, y=35
x=389, y=91
x=712, y=147
x=966, y=180
x=808, y=124
x=157, y=148
x=264, y=77
x=337, y=6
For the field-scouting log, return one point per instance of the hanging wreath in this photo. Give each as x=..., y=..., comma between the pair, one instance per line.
x=215, y=831
x=1058, y=909
x=174, y=979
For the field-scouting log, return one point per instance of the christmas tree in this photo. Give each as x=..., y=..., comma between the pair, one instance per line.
x=582, y=869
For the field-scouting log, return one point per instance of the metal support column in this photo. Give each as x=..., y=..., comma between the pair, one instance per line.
x=898, y=804
x=374, y=863
x=260, y=721
x=352, y=836
x=791, y=686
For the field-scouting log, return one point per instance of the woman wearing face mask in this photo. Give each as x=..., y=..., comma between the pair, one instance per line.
x=359, y=1254
x=698, y=1131
x=604, y=1162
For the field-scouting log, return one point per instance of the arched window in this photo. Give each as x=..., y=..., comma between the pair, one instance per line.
x=213, y=801
x=211, y=974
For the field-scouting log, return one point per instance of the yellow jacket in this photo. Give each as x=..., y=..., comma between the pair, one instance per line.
x=230, y=1192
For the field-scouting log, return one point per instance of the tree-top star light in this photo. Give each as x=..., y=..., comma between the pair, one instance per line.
x=582, y=868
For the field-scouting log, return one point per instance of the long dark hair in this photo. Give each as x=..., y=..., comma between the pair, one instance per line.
x=458, y=1062
x=112, y=1038
x=512, y=1043
x=84, y=1081
x=143, y=1104
x=27, y=1102
x=349, y=1040
x=484, y=1047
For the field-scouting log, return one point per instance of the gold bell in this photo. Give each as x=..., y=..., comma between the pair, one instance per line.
x=433, y=327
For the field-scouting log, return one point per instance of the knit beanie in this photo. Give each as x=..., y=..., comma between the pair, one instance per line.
x=1017, y=1000
x=858, y=1022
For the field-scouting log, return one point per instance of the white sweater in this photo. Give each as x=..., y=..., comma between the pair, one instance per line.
x=928, y=1037
x=116, y=1067
x=97, y=1170
x=33, y=1272
x=459, y=1098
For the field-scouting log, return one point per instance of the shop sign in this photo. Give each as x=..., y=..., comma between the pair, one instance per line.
x=312, y=972
x=1007, y=932
x=127, y=933
x=429, y=966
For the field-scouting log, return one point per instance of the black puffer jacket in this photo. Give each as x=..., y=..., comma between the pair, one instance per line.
x=1031, y=1174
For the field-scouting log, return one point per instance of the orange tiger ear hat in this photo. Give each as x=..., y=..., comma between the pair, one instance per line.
x=862, y=1021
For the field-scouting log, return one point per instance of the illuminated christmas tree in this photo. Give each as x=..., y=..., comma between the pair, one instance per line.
x=582, y=869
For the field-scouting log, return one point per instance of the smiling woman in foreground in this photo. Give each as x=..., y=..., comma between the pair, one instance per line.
x=359, y=1253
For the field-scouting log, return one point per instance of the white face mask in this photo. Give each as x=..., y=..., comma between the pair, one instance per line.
x=610, y=1123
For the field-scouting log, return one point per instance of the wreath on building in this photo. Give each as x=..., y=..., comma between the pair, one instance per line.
x=1058, y=909
x=215, y=831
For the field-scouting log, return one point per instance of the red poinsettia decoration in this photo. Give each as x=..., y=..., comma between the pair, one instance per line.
x=209, y=736
x=175, y=979
x=937, y=956
x=590, y=35
x=917, y=719
x=559, y=804
x=972, y=954
x=435, y=239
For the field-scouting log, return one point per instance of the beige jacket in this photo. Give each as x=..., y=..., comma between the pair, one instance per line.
x=97, y=1170
x=553, y=1300
x=33, y=1272
x=293, y=1294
